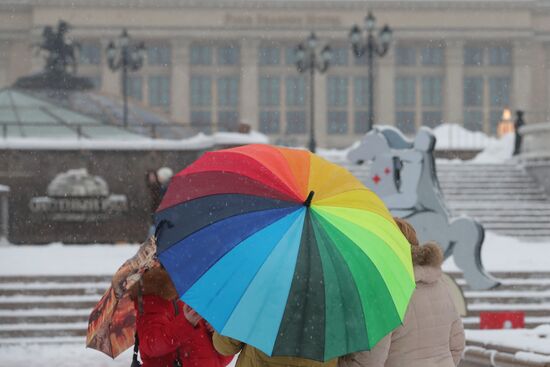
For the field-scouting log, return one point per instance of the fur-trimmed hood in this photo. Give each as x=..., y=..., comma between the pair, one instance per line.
x=427, y=260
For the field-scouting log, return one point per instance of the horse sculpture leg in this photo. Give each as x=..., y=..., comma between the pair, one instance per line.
x=467, y=237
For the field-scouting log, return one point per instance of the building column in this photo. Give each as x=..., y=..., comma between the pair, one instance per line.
x=454, y=82
x=4, y=64
x=547, y=82
x=320, y=110
x=110, y=81
x=521, y=75
x=384, y=89
x=180, y=96
x=249, y=88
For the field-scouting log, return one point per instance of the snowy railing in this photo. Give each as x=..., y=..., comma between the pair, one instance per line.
x=481, y=357
x=456, y=137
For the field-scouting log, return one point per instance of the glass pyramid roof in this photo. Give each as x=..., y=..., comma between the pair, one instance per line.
x=26, y=116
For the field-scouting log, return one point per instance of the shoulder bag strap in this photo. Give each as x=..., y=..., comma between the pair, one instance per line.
x=135, y=361
x=177, y=362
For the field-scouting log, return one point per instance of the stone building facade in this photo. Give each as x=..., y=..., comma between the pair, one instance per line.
x=213, y=64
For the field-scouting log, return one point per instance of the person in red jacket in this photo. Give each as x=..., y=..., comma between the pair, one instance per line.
x=170, y=332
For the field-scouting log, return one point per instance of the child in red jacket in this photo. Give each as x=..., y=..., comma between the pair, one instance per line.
x=169, y=331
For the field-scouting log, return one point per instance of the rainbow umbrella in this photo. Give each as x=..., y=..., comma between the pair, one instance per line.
x=284, y=251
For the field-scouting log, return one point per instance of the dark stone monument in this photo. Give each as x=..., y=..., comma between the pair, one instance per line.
x=61, y=65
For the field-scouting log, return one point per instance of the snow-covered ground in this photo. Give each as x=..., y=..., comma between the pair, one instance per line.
x=57, y=259
x=65, y=355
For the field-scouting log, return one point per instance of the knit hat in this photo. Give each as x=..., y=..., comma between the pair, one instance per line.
x=164, y=175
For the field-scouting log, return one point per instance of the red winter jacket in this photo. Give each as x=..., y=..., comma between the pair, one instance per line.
x=162, y=334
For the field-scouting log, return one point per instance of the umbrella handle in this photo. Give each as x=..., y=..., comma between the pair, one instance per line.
x=160, y=225
x=309, y=198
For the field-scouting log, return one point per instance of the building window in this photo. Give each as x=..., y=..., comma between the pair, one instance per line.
x=135, y=87
x=337, y=91
x=295, y=122
x=473, y=91
x=499, y=96
x=431, y=91
x=202, y=121
x=405, y=56
x=270, y=122
x=405, y=121
x=295, y=91
x=159, y=55
x=362, y=60
x=473, y=56
x=201, y=55
x=290, y=55
x=405, y=103
x=361, y=122
x=473, y=120
x=340, y=56
x=228, y=91
x=159, y=90
x=337, y=122
x=360, y=104
x=405, y=91
x=500, y=55
x=499, y=91
x=337, y=101
x=228, y=120
x=229, y=55
x=360, y=92
x=269, y=55
x=432, y=118
x=270, y=89
x=432, y=56
x=201, y=90
x=90, y=53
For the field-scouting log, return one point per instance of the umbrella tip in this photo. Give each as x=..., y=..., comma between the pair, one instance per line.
x=309, y=198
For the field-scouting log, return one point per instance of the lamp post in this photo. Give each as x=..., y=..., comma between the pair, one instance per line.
x=307, y=59
x=128, y=56
x=372, y=47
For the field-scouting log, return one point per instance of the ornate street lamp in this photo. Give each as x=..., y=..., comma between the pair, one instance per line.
x=372, y=47
x=307, y=59
x=128, y=56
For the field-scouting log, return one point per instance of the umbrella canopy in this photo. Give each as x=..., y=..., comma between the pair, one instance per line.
x=285, y=251
x=112, y=322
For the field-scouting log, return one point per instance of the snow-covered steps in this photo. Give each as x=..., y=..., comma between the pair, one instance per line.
x=503, y=197
x=47, y=307
x=48, y=316
x=519, y=291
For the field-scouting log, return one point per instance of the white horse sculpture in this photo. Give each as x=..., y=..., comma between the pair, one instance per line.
x=403, y=174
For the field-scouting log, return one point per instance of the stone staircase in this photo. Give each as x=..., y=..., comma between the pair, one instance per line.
x=502, y=197
x=55, y=309
x=45, y=309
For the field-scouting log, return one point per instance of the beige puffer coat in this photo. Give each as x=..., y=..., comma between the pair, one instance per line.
x=432, y=334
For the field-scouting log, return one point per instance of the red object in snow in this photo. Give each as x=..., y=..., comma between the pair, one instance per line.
x=502, y=320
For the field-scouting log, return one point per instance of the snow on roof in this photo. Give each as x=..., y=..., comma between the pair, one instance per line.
x=199, y=141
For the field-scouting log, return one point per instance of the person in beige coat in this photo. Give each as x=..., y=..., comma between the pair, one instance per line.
x=432, y=334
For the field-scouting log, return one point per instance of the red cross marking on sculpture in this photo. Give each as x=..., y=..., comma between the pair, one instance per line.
x=387, y=171
x=376, y=179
